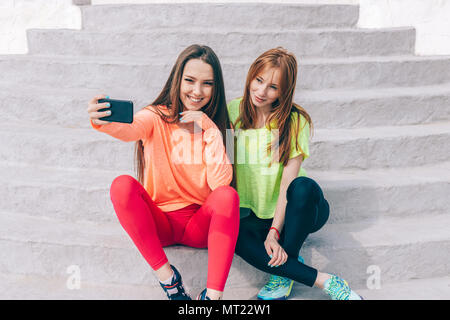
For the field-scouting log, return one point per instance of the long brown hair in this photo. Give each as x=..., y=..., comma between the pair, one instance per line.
x=216, y=109
x=283, y=108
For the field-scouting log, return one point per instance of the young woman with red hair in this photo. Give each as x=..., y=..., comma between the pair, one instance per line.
x=283, y=205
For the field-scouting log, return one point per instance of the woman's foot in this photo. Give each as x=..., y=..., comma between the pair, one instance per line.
x=277, y=288
x=338, y=289
x=202, y=296
x=173, y=287
x=210, y=294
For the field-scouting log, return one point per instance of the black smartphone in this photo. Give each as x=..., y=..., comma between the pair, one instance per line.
x=121, y=110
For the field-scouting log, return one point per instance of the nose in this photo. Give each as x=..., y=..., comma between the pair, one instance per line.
x=261, y=91
x=197, y=89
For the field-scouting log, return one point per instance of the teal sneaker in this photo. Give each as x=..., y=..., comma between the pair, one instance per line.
x=277, y=288
x=338, y=289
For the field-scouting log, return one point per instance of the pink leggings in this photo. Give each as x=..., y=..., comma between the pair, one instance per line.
x=215, y=225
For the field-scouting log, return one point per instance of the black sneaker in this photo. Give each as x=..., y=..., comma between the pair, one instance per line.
x=178, y=284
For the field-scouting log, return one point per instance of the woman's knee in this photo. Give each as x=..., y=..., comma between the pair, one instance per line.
x=303, y=189
x=226, y=195
x=122, y=189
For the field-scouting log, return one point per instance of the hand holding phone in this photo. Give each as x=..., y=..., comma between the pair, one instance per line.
x=121, y=110
x=103, y=110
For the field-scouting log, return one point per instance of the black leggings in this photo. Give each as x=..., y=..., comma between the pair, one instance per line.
x=306, y=212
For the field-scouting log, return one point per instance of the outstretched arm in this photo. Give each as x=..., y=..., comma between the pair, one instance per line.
x=141, y=127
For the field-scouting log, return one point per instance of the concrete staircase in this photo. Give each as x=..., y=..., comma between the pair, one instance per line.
x=380, y=151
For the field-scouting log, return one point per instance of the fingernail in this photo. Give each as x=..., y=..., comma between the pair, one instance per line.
x=108, y=112
x=108, y=105
x=270, y=255
x=107, y=97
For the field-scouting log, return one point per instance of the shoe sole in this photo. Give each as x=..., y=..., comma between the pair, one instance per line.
x=266, y=299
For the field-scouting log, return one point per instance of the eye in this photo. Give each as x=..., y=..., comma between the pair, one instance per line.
x=209, y=83
x=259, y=80
x=274, y=87
x=188, y=80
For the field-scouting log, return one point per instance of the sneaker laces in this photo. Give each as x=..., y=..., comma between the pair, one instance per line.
x=275, y=282
x=203, y=296
x=179, y=294
x=175, y=290
x=337, y=288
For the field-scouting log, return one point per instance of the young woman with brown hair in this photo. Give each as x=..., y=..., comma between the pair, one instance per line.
x=180, y=199
x=283, y=205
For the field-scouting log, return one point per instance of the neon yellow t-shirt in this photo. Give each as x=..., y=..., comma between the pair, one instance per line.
x=258, y=185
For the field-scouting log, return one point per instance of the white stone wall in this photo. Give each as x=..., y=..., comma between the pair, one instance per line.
x=431, y=18
x=18, y=15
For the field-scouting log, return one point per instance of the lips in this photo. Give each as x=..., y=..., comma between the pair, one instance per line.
x=258, y=99
x=194, y=100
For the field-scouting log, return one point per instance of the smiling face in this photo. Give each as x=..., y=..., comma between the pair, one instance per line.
x=197, y=84
x=265, y=88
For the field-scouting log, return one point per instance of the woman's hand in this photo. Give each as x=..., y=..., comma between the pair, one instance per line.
x=198, y=117
x=94, y=106
x=274, y=250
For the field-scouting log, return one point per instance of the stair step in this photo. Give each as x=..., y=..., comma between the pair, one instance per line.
x=32, y=287
x=401, y=248
x=83, y=194
x=417, y=289
x=377, y=147
x=63, y=147
x=232, y=16
x=35, y=287
x=330, y=149
x=377, y=106
x=328, y=108
x=354, y=72
x=356, y=195
x=60, y=193
x=231, y=45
